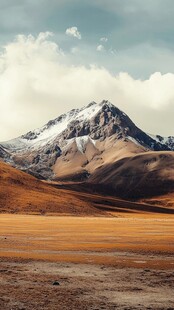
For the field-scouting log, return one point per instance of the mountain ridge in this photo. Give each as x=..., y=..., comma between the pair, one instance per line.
x=75, y=144
x=70, y=116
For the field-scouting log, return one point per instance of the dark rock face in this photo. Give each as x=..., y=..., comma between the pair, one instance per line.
x=170, y=142
x=109, y=121
x=4, y=154
x=30, y=135
x=40, y=165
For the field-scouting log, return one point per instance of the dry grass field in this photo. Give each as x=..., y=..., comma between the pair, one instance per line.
x=86, y=240
x=121, y=262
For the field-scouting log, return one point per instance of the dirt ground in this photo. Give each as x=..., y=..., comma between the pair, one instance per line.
x=125, y=262
x=29, y=285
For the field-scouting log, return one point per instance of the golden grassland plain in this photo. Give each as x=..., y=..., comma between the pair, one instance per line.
x=90, y=240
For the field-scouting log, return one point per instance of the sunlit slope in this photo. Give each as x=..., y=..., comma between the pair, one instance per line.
x=22, y=193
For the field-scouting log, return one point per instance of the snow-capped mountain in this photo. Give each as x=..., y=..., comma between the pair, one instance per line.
x=80, y=141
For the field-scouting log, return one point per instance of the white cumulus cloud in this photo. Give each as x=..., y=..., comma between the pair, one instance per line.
x=104, y=39
x=100, y=48
x=73, y=31
x=38, y=83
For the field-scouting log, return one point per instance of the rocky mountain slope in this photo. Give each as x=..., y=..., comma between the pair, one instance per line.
x=75, y=144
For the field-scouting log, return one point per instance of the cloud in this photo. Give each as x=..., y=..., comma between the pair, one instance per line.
x=100, y=48
x=73, y=32
x=38, y=83
x=112, y=51
x=74, y=50
x=104, y=39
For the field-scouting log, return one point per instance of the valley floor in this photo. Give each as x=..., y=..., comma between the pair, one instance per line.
x=121, y=262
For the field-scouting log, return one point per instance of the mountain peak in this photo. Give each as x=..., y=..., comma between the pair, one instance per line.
x=92, y=103
x=97, y=120
x=79, y=137
x=104, y=102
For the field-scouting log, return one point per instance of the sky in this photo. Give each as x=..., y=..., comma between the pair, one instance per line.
x=56, y=55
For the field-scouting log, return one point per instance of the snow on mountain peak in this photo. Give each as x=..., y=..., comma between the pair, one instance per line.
x=53, y=128
x=57, y=126
x=82, y=141
x=88, y=112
